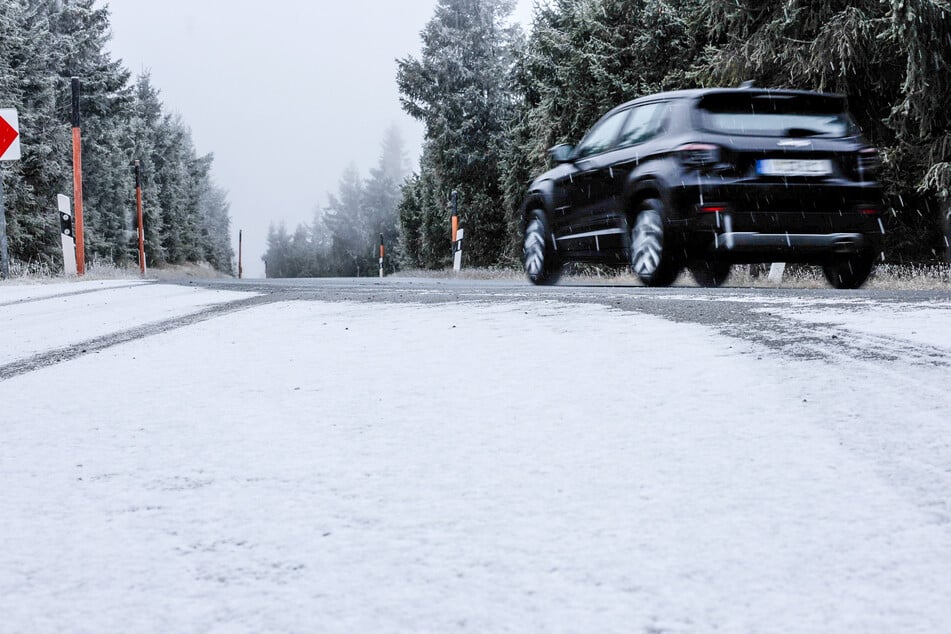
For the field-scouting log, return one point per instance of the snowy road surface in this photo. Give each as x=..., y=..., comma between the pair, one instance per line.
x=48, y=317
x=520, y=464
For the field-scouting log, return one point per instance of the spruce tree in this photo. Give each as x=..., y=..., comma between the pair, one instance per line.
x=215, y=238
x=278, y=250
x=29, y=59
x=381, y=195
x=460, y=89
x=348, y=226
x=145, y=130
x=82, y=31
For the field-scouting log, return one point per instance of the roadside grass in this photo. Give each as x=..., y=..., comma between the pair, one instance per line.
x=201, y=271
x=43, y=273
x=922, y=277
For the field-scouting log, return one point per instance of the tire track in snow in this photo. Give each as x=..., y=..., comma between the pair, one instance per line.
x=810, y=341
x=764, y=324
x=98, y=344
x=88, y=291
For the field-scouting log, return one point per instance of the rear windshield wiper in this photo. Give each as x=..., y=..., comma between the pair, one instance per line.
x=801, y=132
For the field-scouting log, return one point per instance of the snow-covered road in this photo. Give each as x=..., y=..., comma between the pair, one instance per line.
x=51, y=316
x=535, y=466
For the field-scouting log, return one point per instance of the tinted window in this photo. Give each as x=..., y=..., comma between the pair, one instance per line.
x=776, y=114
x=602, y=136
x=644, y=124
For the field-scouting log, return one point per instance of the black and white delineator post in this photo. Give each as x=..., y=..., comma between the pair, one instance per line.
x=382, y=255
x=457, y=250
x=4, y=248
x=457, y=234
x=67, y=235
x=947, y=234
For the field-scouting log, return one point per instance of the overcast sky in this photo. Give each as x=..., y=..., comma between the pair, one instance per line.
x=285, y=93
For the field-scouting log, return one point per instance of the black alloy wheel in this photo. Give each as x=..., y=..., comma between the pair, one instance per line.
x=541, y=260
x=653, y=258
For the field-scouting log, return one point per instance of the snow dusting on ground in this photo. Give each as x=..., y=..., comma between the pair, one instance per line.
x=16, y=291
x=530, y=467
x=924, y=322
x=42, y=318
x=913, y=323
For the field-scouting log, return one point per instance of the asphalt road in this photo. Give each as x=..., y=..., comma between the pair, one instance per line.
x=745, y=313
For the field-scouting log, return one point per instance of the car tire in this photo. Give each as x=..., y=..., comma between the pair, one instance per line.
x=542, y=265
x=711, y=274
x=652, y=255
x=849, y=272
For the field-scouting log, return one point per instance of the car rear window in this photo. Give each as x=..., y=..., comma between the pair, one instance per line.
x=776, y=114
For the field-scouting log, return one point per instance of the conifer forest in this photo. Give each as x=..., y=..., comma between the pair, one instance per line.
x=43, y=44
x=492, y=97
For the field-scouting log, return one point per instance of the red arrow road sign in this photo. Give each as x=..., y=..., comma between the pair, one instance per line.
x=8, y=135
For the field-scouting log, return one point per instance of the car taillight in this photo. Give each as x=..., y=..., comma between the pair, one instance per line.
x=868, y=162
x=869, y=210
x=699, y=155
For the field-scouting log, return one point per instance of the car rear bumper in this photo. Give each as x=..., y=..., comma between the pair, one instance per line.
x=744, y=247
x=746, y=223
x=789, y=243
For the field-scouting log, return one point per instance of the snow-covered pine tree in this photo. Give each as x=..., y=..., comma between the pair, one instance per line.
x=145, y=129
x=181, y=178
x=216, y=227
x=424, y=217
x=410, y=214
x=29, y=59
x=381, y=196
x=922, y=118
x=302, y=257
x=82, y=33
x=460, y=88
x=278, y=250
x=349, y=230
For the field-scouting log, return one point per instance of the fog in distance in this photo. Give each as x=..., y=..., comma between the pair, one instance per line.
x=285, y=94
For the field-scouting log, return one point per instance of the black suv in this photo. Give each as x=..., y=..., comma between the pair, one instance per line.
x=706, y=179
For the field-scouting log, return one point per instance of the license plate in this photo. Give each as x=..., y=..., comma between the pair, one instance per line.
x=794, y=167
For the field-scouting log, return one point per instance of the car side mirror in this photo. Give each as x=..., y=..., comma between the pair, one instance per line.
x=562, y=153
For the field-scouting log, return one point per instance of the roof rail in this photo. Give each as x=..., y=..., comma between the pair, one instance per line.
x=746, y=85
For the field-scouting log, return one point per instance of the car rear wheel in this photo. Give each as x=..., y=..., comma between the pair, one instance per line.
x=711, y=274
x=849, y=272
x=652, y=256
x=541, y=261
